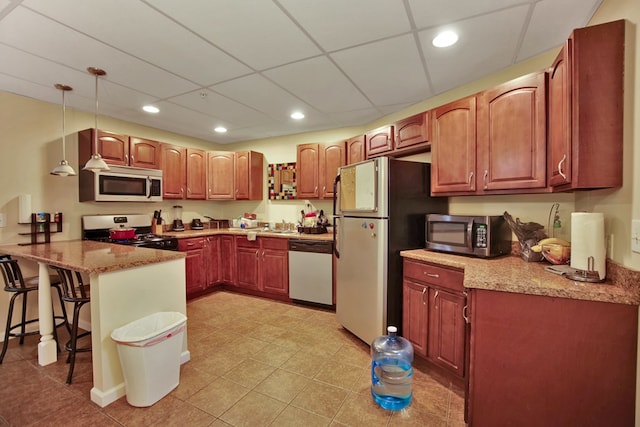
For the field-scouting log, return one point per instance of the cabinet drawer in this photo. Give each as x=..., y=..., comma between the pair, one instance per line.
x=434, y=275
x=277, y=244
x=190, y=244
x=242, y=242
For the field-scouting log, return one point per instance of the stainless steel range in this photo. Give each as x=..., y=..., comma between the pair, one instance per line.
x=108, y=228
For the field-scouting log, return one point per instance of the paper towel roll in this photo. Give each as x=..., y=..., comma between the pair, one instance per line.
x=24, y=208
x=251, y=235
x=587, y=240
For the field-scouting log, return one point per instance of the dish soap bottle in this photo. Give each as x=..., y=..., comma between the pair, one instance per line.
x=391, y=370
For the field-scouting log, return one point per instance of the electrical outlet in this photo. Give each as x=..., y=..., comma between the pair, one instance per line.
x=635, y=235
x=3, y=221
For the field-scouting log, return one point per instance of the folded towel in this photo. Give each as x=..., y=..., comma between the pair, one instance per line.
x=251, y=235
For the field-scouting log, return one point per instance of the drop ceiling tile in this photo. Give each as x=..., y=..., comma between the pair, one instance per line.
x=256, y=32
x=388, y=72
x=175, y=49
x=318, y=82
x=552, y=22
x=337, y=24
x=47, y=39
x=357, y=117
x=221, y=107
x=431, y=13
x=487, y=44
x=261, y=94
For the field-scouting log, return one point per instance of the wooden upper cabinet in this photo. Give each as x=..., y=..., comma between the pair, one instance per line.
x=173, y=162
x=332, y=157
x=144, y=153
x=412, y=131
x=249, y=175
x=511, y=139
x=220, y=175
x=379, y=141
x=113, y=147
x=453, y=152
x=196, y=174
x=586, y=102
x=307, y=170
x=355, y=149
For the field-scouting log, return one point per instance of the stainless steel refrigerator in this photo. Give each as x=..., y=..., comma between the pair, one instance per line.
x=379, y=210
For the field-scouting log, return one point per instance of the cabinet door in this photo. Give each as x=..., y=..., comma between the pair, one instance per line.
x=412, y=131
x=173, y=162
x=307, y=171
x=446, y=330
x=220, y=175
x=196, y=174
x=559, y=119
x=113, y=148
x=195, y=271
x=512, y=139
x=144, y=153
x=249, y=174
x=379, y=141
x=275, y=271
x=453, y=154
x=355, y=149
x=331, y=158
x=227, y=259
x=247, y=260
x=415, y=311
x=212, y=255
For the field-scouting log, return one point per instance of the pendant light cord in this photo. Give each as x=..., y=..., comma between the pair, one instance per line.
x=64, y=153
x=95, y=123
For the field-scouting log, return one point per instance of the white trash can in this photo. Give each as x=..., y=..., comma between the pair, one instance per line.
x=149, y=350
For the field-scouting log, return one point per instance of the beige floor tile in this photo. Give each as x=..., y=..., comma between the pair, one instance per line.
x=304, y=363
x=412, y=417
x=319, y=398
x=218, y=396
x=253, y=410
x=296, y=417
x=249, y=373
x=282, y=385
x=244, y=347
x=361, y=410
x=274, y=355
x=216, y=363
x=192, y=380
x=339, y=374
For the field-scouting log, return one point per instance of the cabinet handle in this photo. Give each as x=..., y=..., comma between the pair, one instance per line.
x=126, y=158
x=560, y=167
x=257, y=256
x=181, y=191
x=435, y=299
x=434, y=275
x=470, y=177
x=484, y=178
x=465, y=314
x=324, y=189
x=315, y=190
x=424, y=290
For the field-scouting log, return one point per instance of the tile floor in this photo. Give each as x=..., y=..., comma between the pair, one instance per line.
x=254, y=362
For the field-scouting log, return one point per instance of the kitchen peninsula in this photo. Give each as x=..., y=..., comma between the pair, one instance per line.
x=539, y=349
x=127, y=283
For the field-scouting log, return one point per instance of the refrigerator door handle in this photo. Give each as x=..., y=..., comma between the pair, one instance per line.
x=335, y=229
x=336, y=252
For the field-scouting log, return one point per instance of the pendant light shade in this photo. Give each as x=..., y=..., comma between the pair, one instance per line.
x=63, y=168
x=96, y=163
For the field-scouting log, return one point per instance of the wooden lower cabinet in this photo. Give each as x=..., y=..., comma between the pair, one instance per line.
x=227, y=259
x=195, y=264
x=263, y=265
x=433, y=315
x=212, y=253
x=545, y=361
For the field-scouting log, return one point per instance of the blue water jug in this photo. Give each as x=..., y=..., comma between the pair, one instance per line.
x=391, y=370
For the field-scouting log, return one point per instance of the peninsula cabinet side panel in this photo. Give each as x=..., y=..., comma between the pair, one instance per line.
x=543, y=361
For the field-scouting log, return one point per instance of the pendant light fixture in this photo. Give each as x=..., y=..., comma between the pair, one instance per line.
x=63, y=168
x=96, y=163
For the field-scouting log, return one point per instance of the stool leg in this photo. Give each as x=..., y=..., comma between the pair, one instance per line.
x=23, y=329
x=8, y=328
x=64, y=310
x=71, y=359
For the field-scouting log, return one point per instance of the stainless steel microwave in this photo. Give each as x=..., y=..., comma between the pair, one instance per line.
x=121, y=184
x=481, y=236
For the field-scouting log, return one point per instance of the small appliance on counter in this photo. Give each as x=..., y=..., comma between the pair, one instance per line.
x=588, y=247
x=177, y=221
x=196, y=224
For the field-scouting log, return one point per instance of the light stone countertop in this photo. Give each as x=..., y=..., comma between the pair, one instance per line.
x=90, y=257
x=239, y=232
x=512, y=274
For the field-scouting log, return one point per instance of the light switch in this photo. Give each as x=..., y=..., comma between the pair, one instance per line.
x=3, y=221
x=635, y=235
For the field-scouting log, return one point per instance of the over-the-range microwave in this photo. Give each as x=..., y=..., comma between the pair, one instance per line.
x=121, y=184
x=481, y=236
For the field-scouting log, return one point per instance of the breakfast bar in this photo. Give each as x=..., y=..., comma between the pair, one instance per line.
x=127, y=283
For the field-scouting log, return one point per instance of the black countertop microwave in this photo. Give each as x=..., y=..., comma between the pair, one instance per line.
x=481, y=236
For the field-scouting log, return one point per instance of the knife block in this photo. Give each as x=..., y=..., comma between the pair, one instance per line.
x=155, y=227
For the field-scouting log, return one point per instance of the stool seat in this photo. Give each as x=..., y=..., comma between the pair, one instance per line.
x=19, y=286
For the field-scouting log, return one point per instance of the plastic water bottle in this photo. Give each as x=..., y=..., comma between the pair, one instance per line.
x=391, y=370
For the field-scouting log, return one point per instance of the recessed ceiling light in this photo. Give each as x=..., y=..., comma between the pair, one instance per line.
x=220, y=129
x=445, y=39
x=297, y=115
x=151, y=109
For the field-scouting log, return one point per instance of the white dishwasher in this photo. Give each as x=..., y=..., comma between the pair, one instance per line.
x=311, y=271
